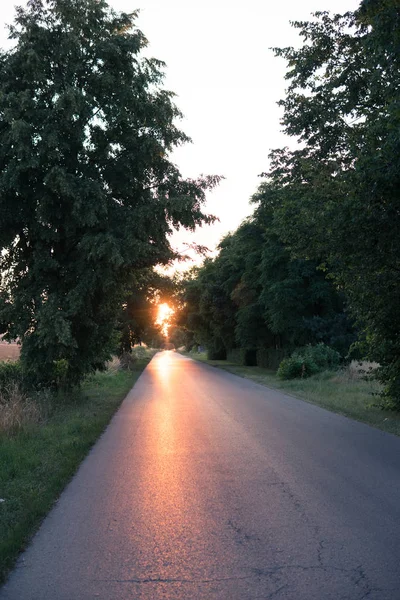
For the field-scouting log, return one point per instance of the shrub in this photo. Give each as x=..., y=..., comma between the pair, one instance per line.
x=139, y=353
x=10, y=373
x=308, y=361
x=296, y=366
x=322, y=355
x=60, y=371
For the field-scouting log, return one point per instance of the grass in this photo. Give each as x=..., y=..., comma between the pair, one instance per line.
x=339, y=392
x=18, y=411
x=37, y=462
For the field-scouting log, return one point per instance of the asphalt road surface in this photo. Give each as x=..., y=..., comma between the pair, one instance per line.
x=209, y=486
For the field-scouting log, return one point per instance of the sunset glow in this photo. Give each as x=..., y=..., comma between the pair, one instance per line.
x=164, y=315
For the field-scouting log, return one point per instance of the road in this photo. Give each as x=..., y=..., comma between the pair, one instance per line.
x=209, y=486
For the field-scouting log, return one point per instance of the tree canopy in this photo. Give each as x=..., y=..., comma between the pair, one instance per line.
x=88, y=193
x=337, y=196
x=330, y=208
x=255, y=295
x=137, y=319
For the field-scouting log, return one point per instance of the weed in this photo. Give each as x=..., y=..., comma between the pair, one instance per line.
x=17, y=410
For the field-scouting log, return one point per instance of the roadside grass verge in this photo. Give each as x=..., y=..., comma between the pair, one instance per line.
x=336, y=391
x=37, y=462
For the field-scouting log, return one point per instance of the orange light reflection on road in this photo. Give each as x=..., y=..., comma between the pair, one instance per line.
x=172, y=515
x=164, y=362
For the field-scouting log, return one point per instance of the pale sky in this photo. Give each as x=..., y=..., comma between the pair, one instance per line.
x=227, y=82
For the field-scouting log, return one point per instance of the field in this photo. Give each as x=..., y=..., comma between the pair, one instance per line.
x=9, y=351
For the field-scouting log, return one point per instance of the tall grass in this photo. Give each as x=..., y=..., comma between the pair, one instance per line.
x=17, y=411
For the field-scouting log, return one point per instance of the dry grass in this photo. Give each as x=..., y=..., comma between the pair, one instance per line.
x=113, y=365
x=9, y=351
x=127, y=361
x=17, y=410
x=357, y=370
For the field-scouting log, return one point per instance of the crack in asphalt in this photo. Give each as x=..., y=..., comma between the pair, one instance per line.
x=256, y=572
x=362, y=579
x=272, y=594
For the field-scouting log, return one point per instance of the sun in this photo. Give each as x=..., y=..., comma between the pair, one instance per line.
x=164, y=314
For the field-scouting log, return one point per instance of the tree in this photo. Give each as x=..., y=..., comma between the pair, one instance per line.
x=337, y=196
x=300, y=305
x=209, y=311
x=87, y=192
x=136, y=323
x=254, y=295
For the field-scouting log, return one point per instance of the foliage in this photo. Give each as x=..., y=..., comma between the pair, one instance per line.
x=308, y=361
x=87, y=193
x=270, y=358
x=209, y=311
x=322, y=355
x=242, y=356
x=216, y=350
x=255, y=295
x=295, y=366
x=336, y=197
x=10, y=374
x=180, y=337
x=141, y=353
x=137, y=318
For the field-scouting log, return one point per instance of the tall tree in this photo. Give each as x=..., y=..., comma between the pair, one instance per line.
x=87, y=192
x=339, y=194
x=255, y=295
x=209, y=310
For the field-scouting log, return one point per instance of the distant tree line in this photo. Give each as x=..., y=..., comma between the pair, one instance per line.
x=254, y=296
x=319, y=259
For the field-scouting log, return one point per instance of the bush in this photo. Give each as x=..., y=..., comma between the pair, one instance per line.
x=10, y=373
x=139, y=353
x=322, y=355
x=308, y=361
x=388, y=375
x=297, y=366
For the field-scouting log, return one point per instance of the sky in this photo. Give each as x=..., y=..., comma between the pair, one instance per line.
x=227, y=83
